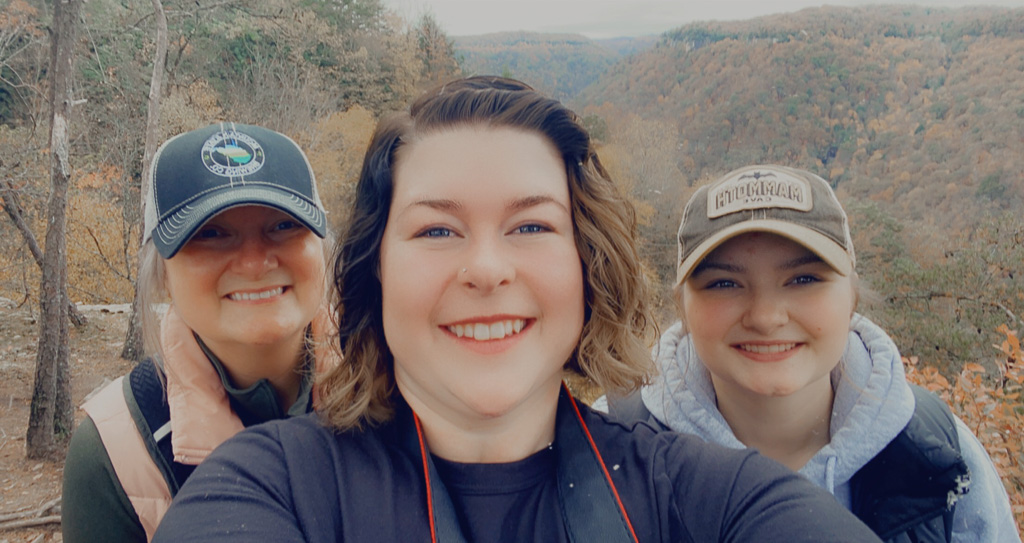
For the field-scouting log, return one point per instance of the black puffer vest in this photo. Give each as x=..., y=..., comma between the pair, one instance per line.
x=908, y=492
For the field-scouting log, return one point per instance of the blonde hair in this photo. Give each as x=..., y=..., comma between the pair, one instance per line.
x=152, y=290
x=613, y=351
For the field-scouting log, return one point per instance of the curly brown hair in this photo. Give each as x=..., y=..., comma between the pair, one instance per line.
x=613, y=351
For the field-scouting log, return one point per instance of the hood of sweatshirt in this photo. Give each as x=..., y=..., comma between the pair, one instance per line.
x=872, y=402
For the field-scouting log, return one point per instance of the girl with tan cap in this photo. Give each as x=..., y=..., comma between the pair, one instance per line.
x=769, y=354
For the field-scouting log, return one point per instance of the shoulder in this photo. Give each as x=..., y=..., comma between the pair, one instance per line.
x=87, y=457
x=258, y=471
x=984, y=477
x=121, y=397
x=625, y=425
x=921, y=472
x=125, y=414
x=742, y=495
x=930, y=439
x=274, y=481
x=984, y=514
x=628, y=409
x=932, y=430
x=684, y=460
x=281, y=437
x=95, y=506
x=107, y=427
x=295, y=449
x=644, y=434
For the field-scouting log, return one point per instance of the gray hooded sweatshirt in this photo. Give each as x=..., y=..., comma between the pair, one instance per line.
x=872, y=404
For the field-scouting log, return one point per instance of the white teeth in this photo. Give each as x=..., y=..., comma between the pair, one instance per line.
x=484, y=332
x=248, y=296
x=767, y=349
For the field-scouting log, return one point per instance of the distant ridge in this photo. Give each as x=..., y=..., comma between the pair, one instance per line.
x=559, y=64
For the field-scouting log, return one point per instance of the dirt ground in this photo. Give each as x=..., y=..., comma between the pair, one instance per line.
x=29, y=485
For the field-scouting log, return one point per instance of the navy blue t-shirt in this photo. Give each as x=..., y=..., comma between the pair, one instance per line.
x=491, y=498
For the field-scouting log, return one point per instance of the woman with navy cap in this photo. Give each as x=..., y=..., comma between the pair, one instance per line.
x=769, y=354
x=234, y=247
x=488, y=253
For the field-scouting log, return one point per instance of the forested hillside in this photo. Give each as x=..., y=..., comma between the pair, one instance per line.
x=559, y=64
x=915, y=115
x=870, y=95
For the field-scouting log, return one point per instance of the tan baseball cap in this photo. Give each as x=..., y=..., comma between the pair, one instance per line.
x=792, y=203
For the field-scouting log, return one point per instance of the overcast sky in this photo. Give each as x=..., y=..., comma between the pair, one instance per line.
x=614, y=18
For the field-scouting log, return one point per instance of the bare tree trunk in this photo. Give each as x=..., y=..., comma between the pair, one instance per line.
x=51, y=418
x=133, y=348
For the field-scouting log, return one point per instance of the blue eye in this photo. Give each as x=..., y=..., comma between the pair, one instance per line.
x=436, y=232
x=805, y=280
x=287, y=225
x=720, y=284
x=207, y=232
x=530, y=229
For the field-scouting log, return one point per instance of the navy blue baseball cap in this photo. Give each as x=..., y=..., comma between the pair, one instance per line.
x=198, y=174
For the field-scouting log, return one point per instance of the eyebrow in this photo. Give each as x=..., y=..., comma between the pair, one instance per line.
x=518, y=204
x=440, y=204
x=809, y=258
x=706, y=265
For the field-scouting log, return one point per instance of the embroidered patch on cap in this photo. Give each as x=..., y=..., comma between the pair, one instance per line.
x=232, y=154
x=759, y=189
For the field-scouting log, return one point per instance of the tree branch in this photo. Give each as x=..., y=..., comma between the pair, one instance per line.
x=13, y=210
x=102, y=256
x=29, y=523
x=9, y=194
x=927, y=296
x=32, y=517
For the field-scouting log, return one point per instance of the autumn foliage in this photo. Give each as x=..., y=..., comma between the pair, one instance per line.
x=321, y=72
x=990, y=405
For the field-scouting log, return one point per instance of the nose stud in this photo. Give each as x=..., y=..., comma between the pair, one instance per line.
x=464, y=270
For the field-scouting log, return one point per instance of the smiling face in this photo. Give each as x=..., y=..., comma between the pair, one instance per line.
x=492, y=339
x=252, y=275
x=767, y=316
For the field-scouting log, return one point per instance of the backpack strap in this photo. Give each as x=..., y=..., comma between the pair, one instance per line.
x=126, y=446
x=151, y=412
x=591, y=506
x=913, y=484
x=631, y=408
